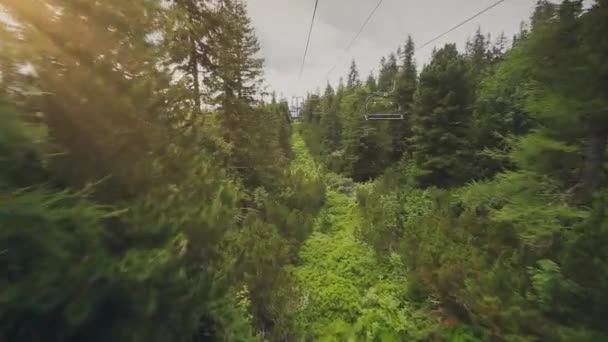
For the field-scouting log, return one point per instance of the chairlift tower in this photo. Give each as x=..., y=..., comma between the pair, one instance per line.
x=296, y=107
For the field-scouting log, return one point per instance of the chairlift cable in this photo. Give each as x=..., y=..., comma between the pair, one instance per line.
x=352, y=42
x=425, y=44
x=312, y=23
x=461, y=24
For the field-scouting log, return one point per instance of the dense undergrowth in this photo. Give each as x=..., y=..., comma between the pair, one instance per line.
x=344, y=291
x=347, y=293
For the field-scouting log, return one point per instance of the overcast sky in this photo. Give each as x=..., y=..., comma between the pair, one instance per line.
x=282, y=26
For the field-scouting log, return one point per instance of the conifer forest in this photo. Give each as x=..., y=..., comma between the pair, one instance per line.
x=152, y=189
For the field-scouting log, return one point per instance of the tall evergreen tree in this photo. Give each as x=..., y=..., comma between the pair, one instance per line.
x=328, y=99
x=407, y=77
x=237, y=74
x=239, y=67
x=388, y=73
x=499, y=47
x=405, y=87
x=370, y=83
x=190, y=30
x=330, y=124
x=543, y=12
x=353, y=80
x=500, y=113
x=478, y=53
x=569, y=104
x=441, y=120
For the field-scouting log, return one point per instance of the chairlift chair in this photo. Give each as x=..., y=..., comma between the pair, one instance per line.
x=385, y=114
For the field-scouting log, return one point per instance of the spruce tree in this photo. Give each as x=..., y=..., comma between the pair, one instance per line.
x=441, y=120
x=388, y=73
x=407, y=77
x=234, y=80
x=405, y=87
x=190, y=39
x=353, y=80
x=499, y=47
x=330, y=124
x=567, y=56
x=543, y=12
x=500, y=113
x=477, y=53
x=370, y=83
x=239, y=67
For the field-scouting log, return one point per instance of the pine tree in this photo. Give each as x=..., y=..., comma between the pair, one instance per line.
x=353, y=80
x=235, y=79
x=360, y=153
x=406, y=83
x=408, y=76
x=330, y=124
x=499, y=47
x=239, y=67
x=189, y=29
x=441, y=120
x=370, y=83
x=500, y=113
x=388, y=73
x=328, y=98
x=569, y=103
x=478, y=54
x=311, y=119
x=543, y=12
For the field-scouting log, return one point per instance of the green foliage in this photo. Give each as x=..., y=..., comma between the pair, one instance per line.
x=232, y=315
x=531, y=204
x=55, y=266
x=499, y=254
x=549, y=285
x=462, y=334
x=54, y=263
x=441, y=123
x=353, y=80
x=346, y=291
x=467, y=250
x=339, y=183
x=335, y=128
x=197, y=188
x=382, y=229
x=500, y=112
x=518, y=138
x=204, y=216
x=99, y=114
x=20, y=150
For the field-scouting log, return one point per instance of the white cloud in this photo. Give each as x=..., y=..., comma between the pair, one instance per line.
x=282, y=26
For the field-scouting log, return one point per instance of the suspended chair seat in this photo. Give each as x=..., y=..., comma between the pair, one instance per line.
x=384, y=116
